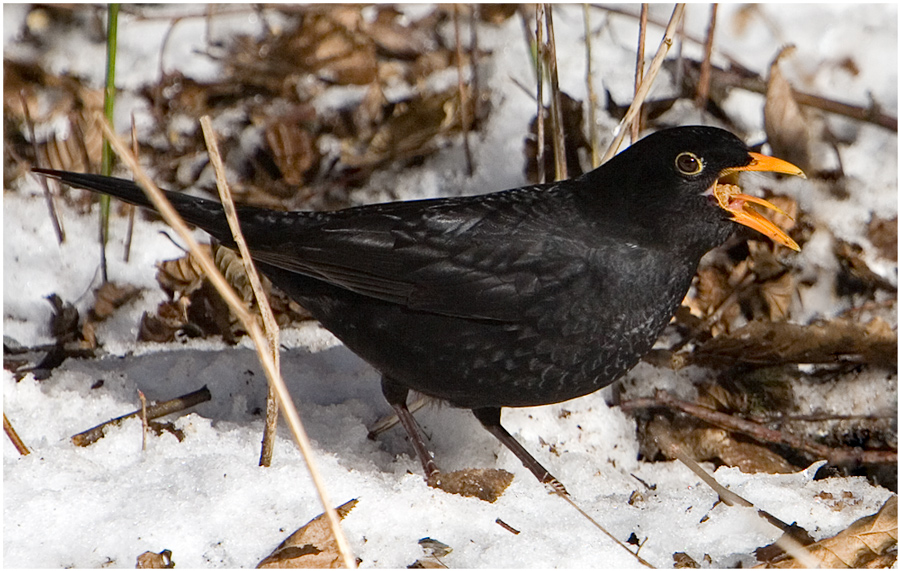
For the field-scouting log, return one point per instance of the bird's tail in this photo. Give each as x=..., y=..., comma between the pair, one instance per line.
x=206, y=214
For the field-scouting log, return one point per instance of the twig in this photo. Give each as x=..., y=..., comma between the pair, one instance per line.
x=507, y=527
x=130, y=208
x=48, y=196
x=463, y=99
x=703, y=84
x=786, y=542
x=539, y=67
x=655, y=66
x=153, y=411
x=871, y=114
x=145, y=426
x=14, y=437
x=271, y=326
x=592, y=96
x=639, y=69
x=764, y=434
x=559, y=132
x=473, y=62
x=572, y=503
x=270, y=430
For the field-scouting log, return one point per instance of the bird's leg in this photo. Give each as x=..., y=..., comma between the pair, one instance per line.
x=396, y=397
x=490, y=419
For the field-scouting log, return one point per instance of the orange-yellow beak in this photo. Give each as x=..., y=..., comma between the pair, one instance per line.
x=731, y=199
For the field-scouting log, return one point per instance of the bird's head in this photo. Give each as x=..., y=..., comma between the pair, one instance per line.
x=689, y=173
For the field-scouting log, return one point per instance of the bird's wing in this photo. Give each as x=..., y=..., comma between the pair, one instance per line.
x=461, y=258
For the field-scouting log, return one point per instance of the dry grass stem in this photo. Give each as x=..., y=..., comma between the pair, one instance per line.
x=48, y=196
x=559, y=134
x=14, y=437
x=790, y=545
x=571, y=502
x=592, y=96
x=167, y=211
x=706, y=64
x=539, y=67
x=153, y=411
x=639, y=97
x=265, y=309
x=463, y=99
x=130, y=208
x=145, y=426
x=639, y=69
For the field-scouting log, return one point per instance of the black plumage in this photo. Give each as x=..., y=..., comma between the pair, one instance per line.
x=523, y=297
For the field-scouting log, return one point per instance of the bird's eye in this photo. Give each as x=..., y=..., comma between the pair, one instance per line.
x=688, y=163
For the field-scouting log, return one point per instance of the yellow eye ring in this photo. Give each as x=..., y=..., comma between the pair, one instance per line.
x=688, y=163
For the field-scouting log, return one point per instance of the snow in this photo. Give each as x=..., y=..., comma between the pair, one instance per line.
x=206, y=500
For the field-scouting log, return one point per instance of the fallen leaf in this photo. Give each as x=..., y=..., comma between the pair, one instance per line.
x=788, y=130
x=150, y=560
x=864, y=540
x=484, y=484
x=313, y=546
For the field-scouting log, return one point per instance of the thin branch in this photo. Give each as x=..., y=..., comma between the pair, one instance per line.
x=153, y=411
x=463, y=99
x=584, y=514
x=131, y=209
x=473, y=62
x=14, y=437
x=262, y=302
x=592, y=96
x=539, y=67
x=48, y=196
x=145, y=423
x=786, y=542
x=655, y=66
x=559, y=132
x=870, y=114
x=639, y=68
x=706, y=65
x=760, y=433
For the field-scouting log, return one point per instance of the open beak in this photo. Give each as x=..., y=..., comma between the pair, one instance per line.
x=735, y=202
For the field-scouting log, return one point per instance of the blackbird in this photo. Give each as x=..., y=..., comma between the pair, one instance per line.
x=523, y=297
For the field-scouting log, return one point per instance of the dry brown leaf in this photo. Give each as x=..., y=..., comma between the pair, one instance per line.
x=863, y=541
x=63, y=320
x=702, y=443
x=394, y=39
x=484, y=484
x=311, y=547
x=788, y=130
x=150, y=560
x=434, y=551
x=882, y=232
x=293, y=149
x=410, y=131
x=161, y=328
x=109, y=297
x=856, y=277
x=684, y=561
x=182, y=276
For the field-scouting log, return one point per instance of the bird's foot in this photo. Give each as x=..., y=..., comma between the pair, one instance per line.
x=555, y=485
